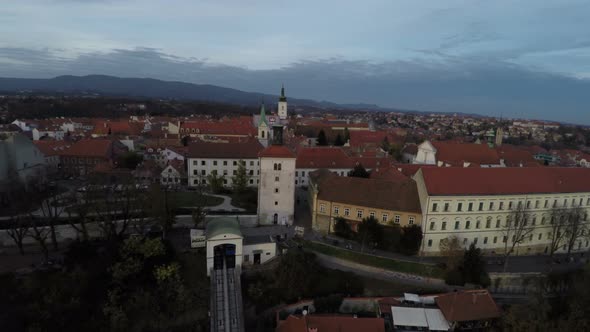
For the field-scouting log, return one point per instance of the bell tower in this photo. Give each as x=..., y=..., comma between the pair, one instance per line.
x=282, y=105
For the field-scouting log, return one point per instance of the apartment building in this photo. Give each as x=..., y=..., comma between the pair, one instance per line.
x=204, y=158
x=475, y=203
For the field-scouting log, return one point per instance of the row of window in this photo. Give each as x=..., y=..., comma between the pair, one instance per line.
x=342, y=173
x=489, y=222
x=81, y=160
x=495, y=239
x=491, y=205
x=204, y=181
x=360, y=214
x=225, y=172
x=223, y=162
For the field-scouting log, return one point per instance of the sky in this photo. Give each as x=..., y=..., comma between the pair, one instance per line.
x=525, y=58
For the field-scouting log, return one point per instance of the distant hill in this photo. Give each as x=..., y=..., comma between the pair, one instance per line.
x=153, y=88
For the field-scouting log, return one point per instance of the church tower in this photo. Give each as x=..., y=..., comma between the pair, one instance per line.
x=283, y=104
x=276, y=189
x=263, y=127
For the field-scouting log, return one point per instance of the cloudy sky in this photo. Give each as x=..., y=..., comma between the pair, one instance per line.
x=526, y=58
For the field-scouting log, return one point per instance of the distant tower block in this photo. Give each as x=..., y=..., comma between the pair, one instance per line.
x=283, y=105
x=276, y=190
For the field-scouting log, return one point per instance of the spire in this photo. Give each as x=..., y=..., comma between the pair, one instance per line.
x=283, y=98
x=262, y=115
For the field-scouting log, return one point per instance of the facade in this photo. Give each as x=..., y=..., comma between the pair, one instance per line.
x=174, y=174
x=204, y=158
x=282, y=107
x=85, y=155
x=276, y=190
x=263, y=128
x=20, y=157
x=474, y=204
x=445, y=154
x=333, y=196
x=311, y=159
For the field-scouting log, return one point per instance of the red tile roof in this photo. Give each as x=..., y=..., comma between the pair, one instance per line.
x=323, y=157
x=322, y=323
x=101, y=148
x=388, y=173
x=247, y=149
x=469, y=305
x=505, y=181
x=230, y=126
x=514, y=156
x=52, y=148
x=277, y=151
x=117, y=128
x=362, y=137
x=380, y=194
x=458, y=153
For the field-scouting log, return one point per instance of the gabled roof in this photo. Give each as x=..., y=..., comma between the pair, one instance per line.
x=52, y=148
x=321, y=323
x=323, y=157
x=471, y=305
x=379, y=194
x=276, y=151
x=514, y=156
x=246, y=149
x=100, y=148
x=504, y=180
x=458, y=153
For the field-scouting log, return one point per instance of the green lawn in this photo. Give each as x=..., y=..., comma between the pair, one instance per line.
x=187, y=198
x=380, y=262
x=247, y=200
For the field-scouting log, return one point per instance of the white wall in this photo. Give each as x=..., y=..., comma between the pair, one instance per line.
x=195, y=169
x=269, y=251
x=270, y=202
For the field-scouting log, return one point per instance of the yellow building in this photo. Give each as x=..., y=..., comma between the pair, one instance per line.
x=333, y=196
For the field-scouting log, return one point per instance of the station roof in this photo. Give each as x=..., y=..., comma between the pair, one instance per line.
x=223, y=226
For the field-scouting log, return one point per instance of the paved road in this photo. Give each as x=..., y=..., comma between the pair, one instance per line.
x=225, y=205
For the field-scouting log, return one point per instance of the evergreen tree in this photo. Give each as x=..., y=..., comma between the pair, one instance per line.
x=411, y=239
x=215, y=181
x=346, y=135
x=338, y=141
x=322, y=140
x=342, y=228
x=241, y=178
x=359, y=172
x=369, y=231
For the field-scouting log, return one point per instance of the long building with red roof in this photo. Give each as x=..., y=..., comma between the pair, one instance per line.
x=476, y=205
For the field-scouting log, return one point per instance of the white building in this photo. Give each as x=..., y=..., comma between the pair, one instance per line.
x=276, y=191
x=20, y=157
x=474, y=204
x=174, y=174
x=445, y=154
x=204, y=158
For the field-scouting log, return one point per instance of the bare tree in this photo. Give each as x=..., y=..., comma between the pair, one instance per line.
x=576, y=227
x=451, y=249
x=51, y=209
x=515, y=231
x=78, y=214
x=558, y=229
x=40, y=233
x=18, y=230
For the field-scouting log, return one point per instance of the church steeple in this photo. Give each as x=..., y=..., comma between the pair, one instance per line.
x=283, y=98
x=262, y=116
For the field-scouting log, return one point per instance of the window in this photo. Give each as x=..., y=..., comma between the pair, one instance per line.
x=396, y=219
x=372, y=214
x=588, y=201
x=456, y=225
x=195, y=163
x=459, y=207
x=443, y=225
x=489, y=222
x=336, y=210
x=470, y=207
x=430, y=243
x=565, y=202
x=528, y=204
x=434, y=207
x=235, y=163
x=276, y=203
x=195, y=172
x=542, y=220
x=446, y=207
x=203, y=163
x=504, y=239
x=465, y=241
x=467, y=224
x=251, y=181
x=519, y=204
x=346, y=212
x=251, y=172
x=302, y=173
x=540, y=236
x=537, y=204
x=510, y=205
x=224, y=181
x=431, y=226
x=322, y=206
x=475, y=241
x=554, y=203
x=411, y=220
x=546, y=204
x=477, y=224
x=225, y=163
x=234, y=172
x=485, y=240
x=530, y=237
x=501, y=207
x=277, y=191
x=203, y=172
x=251, y=163
x=225, y=172
x=384, y=217
x=495, y=239
x=276, y=179
x=296, y=173
x=295, y=181
x=359, y=214
x=491, y=207
x=534, y=220
x=214, y=162
x=481, y=206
